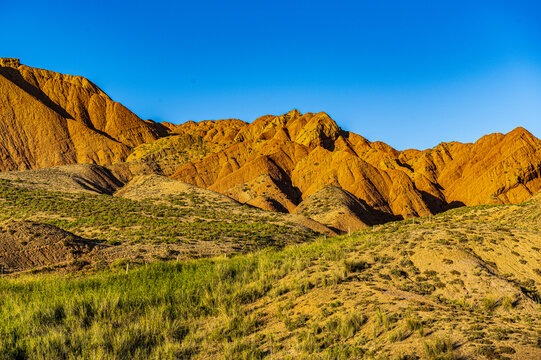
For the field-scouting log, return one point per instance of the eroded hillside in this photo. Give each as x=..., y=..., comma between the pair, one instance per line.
x=275, y=163
x=278, y=162
x=151, y=218
x=49, y=119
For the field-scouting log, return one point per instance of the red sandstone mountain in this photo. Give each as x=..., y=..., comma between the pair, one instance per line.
x=277, y=162
x=49, y=119
x=284, y=163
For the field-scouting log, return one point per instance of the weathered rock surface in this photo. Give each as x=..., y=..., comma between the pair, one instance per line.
x=276, y=162
x=49, y=119
x=496, y=169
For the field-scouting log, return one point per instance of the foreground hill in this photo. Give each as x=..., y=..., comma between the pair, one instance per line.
x=27, y=245
x=464, y=284
x=49, y=119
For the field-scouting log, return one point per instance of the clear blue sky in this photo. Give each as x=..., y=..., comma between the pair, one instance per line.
x=410, y=73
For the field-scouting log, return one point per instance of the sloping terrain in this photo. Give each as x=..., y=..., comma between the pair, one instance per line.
x=161, y=187
x=496, y=169
x=27, y=245
x=187, y=142
x=173, y=256
x=464, y=284
x=163, y=190
x=85, y=178
x=49, y=119
x=339, y=209
x=276, y=162
x=152, y=216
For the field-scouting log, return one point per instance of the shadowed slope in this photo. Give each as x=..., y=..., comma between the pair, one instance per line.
x=26, y=245
x=339, y=209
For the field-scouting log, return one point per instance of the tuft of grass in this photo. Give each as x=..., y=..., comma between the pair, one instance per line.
x=383, y=320
x=398, y=334
x=490, y=303
x=508, y=303
x=352, y=324
x=413, y=323
x=440, y=349
x=355, y=266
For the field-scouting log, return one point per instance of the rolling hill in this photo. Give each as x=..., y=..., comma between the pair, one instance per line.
x=464, y=284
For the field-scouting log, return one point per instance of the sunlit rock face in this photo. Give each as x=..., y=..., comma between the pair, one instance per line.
x=275, y=163
x=49, y=119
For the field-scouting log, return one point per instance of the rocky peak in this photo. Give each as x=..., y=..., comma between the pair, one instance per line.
x=292, y=115
x=10, y=62
x=319, y=130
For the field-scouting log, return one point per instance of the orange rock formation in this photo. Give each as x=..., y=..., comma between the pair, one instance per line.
x=278, y=161
x=49, y=119
x=275, y=163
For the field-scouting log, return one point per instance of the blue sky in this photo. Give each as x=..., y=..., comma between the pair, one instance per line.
x=410, y=73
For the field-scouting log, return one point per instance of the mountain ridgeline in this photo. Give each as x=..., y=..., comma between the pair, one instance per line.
x=49, y=119
x=291, y=163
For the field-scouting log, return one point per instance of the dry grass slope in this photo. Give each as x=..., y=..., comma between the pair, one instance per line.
x=77, y=178
x=152, y=218
x=463, y=284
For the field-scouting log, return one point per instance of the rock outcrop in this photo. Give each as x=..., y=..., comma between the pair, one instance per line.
x=496, y=169
x=277, y=162
x=49, y=119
